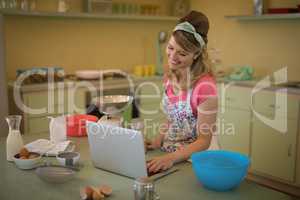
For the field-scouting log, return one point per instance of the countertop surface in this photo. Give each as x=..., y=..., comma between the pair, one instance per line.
x=108, y=83
x=111, y=83
x=24, y=184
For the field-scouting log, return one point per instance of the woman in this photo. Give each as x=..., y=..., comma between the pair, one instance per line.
x=190, y=99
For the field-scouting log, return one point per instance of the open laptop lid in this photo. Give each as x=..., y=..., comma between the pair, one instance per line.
x=117, y=150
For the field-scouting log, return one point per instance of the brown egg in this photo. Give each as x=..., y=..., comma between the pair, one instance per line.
x=97, y=195
x=105, y=189
x=24, y=152
x=89, y=192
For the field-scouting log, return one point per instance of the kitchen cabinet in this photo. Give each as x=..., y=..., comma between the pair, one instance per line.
x=148, y=95
x=236, y=138
x=107, y=10
x=273, y=152
x=274, y=155
x=39, y=123
x=88, y=16
x=73, y=97
x=234, y=118
x=66, y=100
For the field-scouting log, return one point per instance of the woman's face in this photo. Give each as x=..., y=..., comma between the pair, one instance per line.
x=178, y=58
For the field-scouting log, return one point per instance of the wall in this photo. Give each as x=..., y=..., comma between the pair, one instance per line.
x=267, y=45
x=79, y=43
x=3, y=92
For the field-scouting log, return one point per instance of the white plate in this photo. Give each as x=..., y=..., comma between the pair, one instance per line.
x=88, y=74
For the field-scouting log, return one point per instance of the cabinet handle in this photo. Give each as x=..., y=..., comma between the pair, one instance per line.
x=290, y=150
x=273, y=106
x=229, y=99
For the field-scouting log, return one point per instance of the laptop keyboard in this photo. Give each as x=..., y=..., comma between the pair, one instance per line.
x=153, y=173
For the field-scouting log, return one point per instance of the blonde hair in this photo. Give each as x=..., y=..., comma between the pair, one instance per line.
x=201, y=65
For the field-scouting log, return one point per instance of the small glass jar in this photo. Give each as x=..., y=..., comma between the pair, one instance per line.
x=143, y=189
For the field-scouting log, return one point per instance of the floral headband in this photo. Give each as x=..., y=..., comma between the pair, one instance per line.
x=188, y=27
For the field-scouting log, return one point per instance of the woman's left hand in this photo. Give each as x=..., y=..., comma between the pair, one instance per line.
x=161, y=163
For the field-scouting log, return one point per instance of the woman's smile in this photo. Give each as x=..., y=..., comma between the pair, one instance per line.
x=178, y=58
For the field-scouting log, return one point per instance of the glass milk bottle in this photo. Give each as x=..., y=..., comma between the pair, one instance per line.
x=14, y=141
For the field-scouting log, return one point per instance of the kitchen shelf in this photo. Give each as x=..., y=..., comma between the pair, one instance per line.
x=87, y=15
x=265, y=16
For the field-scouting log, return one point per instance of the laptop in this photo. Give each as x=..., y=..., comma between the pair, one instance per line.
x=119, y=150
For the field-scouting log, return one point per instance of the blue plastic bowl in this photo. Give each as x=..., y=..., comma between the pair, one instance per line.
x=220, y=170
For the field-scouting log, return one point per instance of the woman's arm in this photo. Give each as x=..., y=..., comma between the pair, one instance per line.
x=206, y=121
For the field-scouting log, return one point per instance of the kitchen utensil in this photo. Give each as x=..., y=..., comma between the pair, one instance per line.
x=14, y=141
x=143, y=189
x=57, y=128
x=68, y=158
x=112, y=104
x=111, y=120
x=55, y=174
x=220, y=170
x=48, y=148
x=76, y=124
x=28, y=163
x=115, y=105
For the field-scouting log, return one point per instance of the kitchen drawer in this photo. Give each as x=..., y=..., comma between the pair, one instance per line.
x=235, y=97
x=265, y=104
x=234, y=133
x=272, y=152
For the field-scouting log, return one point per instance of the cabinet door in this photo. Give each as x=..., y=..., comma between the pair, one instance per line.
x=234, y=130
x=274, y=153
x=231, y=96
